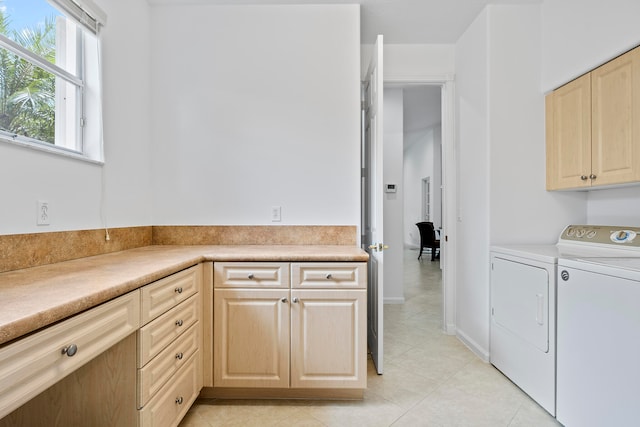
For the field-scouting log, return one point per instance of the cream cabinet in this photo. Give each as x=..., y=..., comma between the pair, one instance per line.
x=593, y=127
x=68, y=363
x=169, y=341
x=290, y=325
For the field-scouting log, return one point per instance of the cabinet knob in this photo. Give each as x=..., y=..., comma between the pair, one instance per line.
x=179, y=322
x=178, y=290
x=592, y=176
x=583, y=177
x=70, y=350
x=179, y=400
x=250, y=276
x=329, y=276
x=179, y=356
x=283, y=299
x=295, y=299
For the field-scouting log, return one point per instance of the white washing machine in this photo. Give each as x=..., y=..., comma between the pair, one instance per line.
x=598, y=356
x=523, y=305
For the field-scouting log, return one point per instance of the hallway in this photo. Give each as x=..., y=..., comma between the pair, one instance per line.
x=430, y=379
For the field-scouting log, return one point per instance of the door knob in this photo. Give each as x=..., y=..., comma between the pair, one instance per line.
x=378, y=247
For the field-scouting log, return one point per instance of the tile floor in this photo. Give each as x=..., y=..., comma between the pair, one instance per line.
x=430, y=379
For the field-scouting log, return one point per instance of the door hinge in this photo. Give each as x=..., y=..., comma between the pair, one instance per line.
x=83, y=122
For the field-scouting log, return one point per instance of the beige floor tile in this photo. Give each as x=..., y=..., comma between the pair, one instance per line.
x=372, y=411
x=530, y=414
x=400, y=386
x=450, y=406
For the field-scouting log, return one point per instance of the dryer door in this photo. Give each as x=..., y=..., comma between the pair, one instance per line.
x=520, y=300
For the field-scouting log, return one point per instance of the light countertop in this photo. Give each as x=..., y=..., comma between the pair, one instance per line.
x=33, y=298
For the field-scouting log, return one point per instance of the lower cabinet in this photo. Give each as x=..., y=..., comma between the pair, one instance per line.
x=251, y=338
x=309, y=333
x=173, y=401
x=328, y=339
x=77, y=372
x=169, y=356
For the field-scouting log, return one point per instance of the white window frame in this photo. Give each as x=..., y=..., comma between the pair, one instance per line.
x=71, y=138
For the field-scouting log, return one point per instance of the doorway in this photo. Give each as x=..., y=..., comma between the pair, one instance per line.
x=427, y=165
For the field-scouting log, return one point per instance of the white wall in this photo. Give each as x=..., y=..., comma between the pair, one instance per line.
x=73, y=187
x=619, y=206
x=412, y=62
x=501, y=156
x=579, y=35
x=472, y=269
x=521, y=210
x=393, y=202
x=254, y=107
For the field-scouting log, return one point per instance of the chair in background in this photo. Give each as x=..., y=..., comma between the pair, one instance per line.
x=428, y=239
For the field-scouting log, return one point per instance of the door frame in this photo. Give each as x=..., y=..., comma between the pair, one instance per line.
x=449, y=185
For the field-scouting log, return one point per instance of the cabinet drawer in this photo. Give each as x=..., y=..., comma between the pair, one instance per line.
x=251, y=275
x=159, y=297
x=325, y=275
x=32, y=364
x=172, y=402
x=156, y=335
x=156, y=373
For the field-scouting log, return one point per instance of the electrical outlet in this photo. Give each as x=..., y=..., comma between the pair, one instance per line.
x=43, y=213
x=276, y=213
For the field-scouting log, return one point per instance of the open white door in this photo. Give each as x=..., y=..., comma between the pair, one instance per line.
x=372, y=201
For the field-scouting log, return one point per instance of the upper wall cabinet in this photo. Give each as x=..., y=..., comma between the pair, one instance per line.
x=593, y=127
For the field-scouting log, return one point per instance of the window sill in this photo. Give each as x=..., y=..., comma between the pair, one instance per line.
x=52, y=150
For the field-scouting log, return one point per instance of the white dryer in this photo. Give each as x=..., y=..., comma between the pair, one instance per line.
x=523, y=328
x=523, y=305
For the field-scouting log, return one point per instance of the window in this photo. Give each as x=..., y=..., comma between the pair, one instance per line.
x=50, y=76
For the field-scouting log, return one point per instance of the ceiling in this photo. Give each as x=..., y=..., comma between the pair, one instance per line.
x=400, y=21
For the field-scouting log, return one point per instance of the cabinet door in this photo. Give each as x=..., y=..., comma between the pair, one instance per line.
x=568, y=134
x=616, y=120
x=251, y=338
x=328, y=339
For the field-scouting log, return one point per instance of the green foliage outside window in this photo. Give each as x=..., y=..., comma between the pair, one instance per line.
x=27, y=92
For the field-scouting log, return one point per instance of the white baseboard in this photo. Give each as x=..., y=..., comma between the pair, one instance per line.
x=394, y=300
x=473, y=346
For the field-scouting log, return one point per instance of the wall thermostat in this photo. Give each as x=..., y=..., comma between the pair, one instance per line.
x=390, y=188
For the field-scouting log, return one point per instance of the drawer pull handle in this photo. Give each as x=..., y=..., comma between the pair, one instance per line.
x=283, y=299
x=329, y=277
x=250, y=276
x=70, y=350
x=179, y=322
x=179, y=356
x=295, y=299
x=178, y=290
x=179, y=400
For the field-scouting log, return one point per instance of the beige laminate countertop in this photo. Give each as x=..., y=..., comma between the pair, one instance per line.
x=36, y=297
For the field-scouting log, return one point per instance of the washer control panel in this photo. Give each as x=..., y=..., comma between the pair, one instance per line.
x=602, y=234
